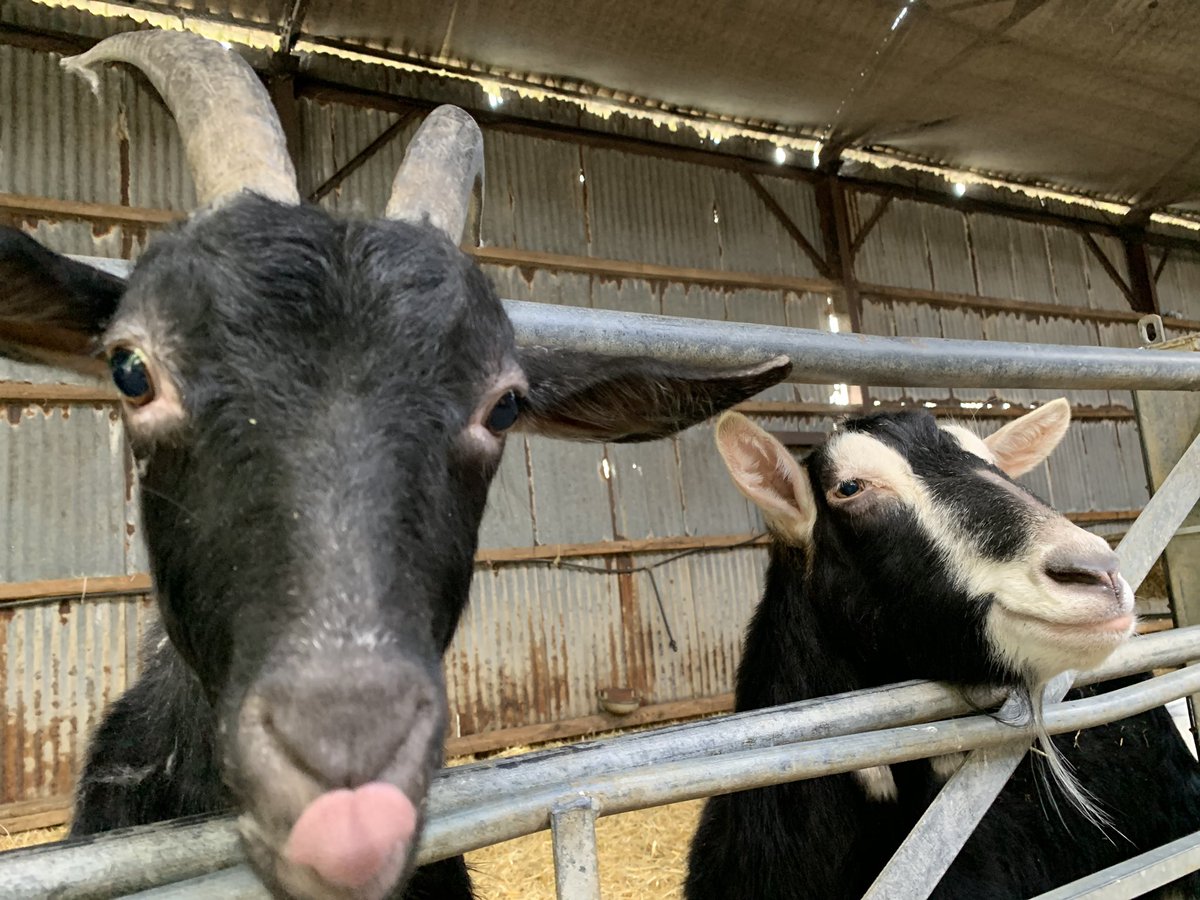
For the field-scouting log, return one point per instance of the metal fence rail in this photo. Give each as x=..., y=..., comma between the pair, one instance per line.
x=819, y=357
x=788, y=743
x=567, y=789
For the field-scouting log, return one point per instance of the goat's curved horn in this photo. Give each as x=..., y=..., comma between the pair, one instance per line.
x=230, y=130
x=441, y=165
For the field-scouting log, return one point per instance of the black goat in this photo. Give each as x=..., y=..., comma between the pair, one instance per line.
x=317, y=408
x=904, y=550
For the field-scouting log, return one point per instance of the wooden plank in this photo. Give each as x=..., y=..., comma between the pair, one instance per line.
x=942, y=410
x=21, y=392
x=619, y=268
x=568, y=729
x=616, y=548
x=29, y=815
x=48, y=207
x=75, y=587
x=1000, y=304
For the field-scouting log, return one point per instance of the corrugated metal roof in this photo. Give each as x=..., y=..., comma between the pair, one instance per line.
x=1098, y=98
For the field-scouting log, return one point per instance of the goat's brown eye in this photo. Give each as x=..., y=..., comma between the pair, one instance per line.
x=504, y=414
x=849, y=488
x=131, y=375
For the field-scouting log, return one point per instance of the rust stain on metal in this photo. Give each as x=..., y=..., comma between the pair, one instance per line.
x=636, y=669
x=13, y=413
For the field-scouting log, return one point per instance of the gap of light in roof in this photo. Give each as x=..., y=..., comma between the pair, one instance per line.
x=264, y=38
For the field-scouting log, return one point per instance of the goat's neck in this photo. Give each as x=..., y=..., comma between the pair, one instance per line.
x=829, y=834
x=797, y=646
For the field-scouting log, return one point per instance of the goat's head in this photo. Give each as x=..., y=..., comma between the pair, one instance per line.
x=318, y=408
x=946, y=568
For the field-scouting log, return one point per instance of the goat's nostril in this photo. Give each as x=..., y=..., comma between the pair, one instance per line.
x=1083, y=576
x=1083, y=567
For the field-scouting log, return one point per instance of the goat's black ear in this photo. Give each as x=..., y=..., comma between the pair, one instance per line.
x=52, y=309
x=587, y=397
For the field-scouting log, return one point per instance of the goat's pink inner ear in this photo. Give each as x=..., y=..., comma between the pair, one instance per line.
x=767, y=474
x=1025, y=442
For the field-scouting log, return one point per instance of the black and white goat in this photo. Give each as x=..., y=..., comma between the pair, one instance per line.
x=904, y=550
x=317, y=408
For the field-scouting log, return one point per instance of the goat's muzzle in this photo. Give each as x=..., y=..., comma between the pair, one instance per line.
x=331, y=762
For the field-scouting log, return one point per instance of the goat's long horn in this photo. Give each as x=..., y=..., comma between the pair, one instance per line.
x=441, y=165
x=230, y=130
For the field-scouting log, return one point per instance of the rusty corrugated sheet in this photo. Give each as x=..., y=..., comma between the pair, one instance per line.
x=894, y=251
x=651, y=210
x=87, y=239
x=535, y=644
x=535, y=197
x=62, y=493
x=707, y=601
x=60, y=664
x=58, y=140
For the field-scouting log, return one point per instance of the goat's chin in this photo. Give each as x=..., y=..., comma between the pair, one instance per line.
x=1044, y=645
x=287, y=878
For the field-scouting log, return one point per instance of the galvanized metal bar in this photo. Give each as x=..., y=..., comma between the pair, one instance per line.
x=859, y=711
x=1136, y=876
x=576, y=861
x=819, y=357
x=520, y=814
x=526, y=813
x=935, y=841
x=130, y=860
x=237, y=883
x=120, y=862
x=1162, y=516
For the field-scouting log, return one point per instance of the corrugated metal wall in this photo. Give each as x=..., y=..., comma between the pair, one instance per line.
x=539, y=639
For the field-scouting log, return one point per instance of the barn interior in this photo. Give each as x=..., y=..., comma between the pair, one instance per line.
x=1017, y=170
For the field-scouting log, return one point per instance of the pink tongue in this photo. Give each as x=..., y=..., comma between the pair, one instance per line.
x=348, y=836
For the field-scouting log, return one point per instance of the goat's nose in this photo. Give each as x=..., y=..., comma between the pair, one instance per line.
x=345, y=724
x=1097, y=567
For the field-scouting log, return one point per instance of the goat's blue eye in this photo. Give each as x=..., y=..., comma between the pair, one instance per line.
x=504, y=414
x=131, y=375
x=849, y=488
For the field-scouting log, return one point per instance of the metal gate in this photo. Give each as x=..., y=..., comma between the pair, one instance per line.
x=475, y=806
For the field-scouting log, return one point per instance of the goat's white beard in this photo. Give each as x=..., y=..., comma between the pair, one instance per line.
x=1055, y=773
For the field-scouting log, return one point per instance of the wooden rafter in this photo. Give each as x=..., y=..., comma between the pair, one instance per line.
x=872, y=221
x=362, y=157
x=794, y=232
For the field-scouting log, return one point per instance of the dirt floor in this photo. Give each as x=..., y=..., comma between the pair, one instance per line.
x=30, y=838
x=642, y=857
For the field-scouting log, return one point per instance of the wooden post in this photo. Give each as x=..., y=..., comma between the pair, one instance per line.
x=1144, y=295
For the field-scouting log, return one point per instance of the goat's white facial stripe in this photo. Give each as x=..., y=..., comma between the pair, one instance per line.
x=970, y=442
x=854, y=455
